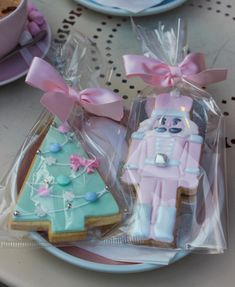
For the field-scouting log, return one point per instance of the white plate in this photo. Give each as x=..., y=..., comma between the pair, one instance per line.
x=89, y=260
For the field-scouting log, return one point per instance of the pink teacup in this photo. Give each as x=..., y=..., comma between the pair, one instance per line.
x=11, y=27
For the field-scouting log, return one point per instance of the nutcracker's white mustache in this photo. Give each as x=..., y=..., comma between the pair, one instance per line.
x=175, y=130
x=171, y=130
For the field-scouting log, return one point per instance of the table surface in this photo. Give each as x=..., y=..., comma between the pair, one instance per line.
x=212, y=31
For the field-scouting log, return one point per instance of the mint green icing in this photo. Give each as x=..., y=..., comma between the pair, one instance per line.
x=64, y=219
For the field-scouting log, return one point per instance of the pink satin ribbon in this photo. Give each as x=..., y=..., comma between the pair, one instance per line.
x=157, y=73
x=59, y=98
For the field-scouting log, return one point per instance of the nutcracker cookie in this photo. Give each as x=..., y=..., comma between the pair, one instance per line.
x=63, y=192
x=163, y=161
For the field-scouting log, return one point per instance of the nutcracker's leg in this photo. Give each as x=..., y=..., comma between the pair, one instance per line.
x=156, y=200
x=143, y=209
x=166, y=212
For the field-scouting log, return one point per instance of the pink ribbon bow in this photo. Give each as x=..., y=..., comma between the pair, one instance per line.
x=59, y=98
x=157, y=73
x=77, y=161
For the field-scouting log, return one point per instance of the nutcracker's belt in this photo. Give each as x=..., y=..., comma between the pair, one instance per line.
x=169, y=163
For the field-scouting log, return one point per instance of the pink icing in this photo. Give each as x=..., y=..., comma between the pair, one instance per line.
x=90, y=164
x=75, y=162
x=64, y=128
x=43, y=191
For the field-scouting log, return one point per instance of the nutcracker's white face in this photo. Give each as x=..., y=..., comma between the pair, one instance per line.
x=170, y=124
x=180, y=126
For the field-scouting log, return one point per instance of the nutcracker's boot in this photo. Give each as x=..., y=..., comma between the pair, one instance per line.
x=165, y=224
x=142, y=221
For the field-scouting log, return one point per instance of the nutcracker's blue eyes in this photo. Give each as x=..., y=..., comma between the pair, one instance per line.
x=176, y=121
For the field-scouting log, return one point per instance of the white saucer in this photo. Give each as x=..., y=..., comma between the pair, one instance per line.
x=18, y=65
x=163, y=7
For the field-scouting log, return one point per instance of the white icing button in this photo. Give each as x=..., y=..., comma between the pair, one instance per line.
x=69, y=196
x=50, y=160
x=40, y=211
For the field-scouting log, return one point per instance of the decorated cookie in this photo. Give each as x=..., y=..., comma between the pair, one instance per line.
x=63, y=192
x=163, y=161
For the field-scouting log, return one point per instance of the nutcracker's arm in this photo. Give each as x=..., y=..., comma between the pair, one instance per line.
x=191, y=170
x=133, y=163
x=136, y=139
x=194, y=154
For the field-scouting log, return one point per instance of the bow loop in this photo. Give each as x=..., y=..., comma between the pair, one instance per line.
x=193, y=64
x=59, y=98
x=46, y=79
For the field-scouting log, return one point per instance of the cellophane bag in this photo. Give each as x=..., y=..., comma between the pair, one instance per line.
x=176, y=148
x=62, y=187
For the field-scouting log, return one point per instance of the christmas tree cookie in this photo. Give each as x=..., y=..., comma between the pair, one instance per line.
x=63, y=192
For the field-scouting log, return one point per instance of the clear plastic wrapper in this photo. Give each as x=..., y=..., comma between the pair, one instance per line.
x=63, y=183
x=176, y=151
x=150, y=189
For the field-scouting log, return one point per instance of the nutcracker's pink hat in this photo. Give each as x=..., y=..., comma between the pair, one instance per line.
x=170, y=105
